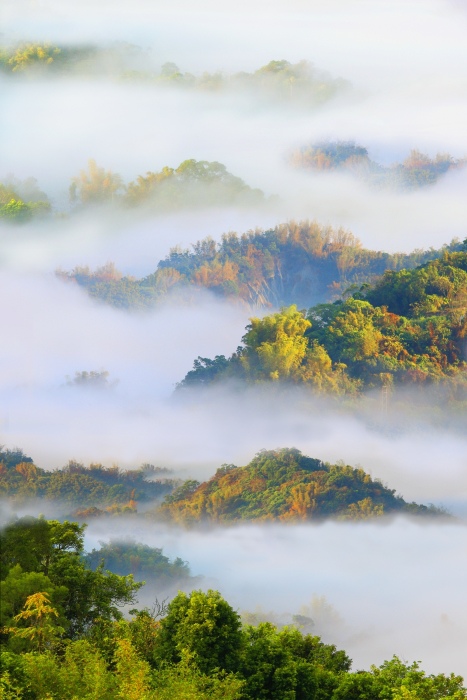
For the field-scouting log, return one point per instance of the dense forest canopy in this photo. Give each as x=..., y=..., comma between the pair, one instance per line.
x=63, y=635
x=409, y=327
x=85, y=491
x=301, y=263
x=285, y=486
x=281, y=485
x=417, y=170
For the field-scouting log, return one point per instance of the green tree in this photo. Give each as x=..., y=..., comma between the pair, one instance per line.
x=275, y=346
x=201, y=627
x=53, y=549
x=15, y=210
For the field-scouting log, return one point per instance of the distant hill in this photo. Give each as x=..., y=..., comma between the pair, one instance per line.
x=145, y=563
x=278, y=81
x=86, y=491
x=417, y=170
x=301, y=262
x=283, y=485
x=194, y=184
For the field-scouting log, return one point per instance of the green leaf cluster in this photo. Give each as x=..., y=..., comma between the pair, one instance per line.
x=20, y=201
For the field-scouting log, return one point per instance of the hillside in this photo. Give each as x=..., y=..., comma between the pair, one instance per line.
x=300, y=263
x=300, y=83
x=417, y=170
x=408, y=328
x=283, y=485
x=143, y=562
x=191, y=185
x=87, y=491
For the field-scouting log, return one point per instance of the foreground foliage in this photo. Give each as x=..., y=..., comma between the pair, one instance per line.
x=198, y=650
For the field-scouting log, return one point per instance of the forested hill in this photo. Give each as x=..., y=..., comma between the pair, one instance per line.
x=283, y=485
x=299, y=84
x=86, y=491
x=193, y=184
x=300, y=263
x=417, y=170
x=408, y=328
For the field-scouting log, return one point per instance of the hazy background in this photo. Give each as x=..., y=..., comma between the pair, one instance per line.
x=405, y=60
x=397, y=587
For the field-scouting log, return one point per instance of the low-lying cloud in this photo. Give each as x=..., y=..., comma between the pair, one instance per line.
x=396, y=588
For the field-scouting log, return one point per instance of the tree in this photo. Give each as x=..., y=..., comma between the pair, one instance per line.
x=16, y=589
x=53, y=550
x=37, y=616
x=275, y=345
x=201, y=627
x=15, y=210
x=95, y=186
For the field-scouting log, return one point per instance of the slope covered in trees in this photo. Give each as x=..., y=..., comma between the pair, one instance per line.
x=145, y=563
x=63, y=636
x=299, y=83
x=88, y=491
x=408, y=328
x=281, y=485
x=417, y=170
x=300, y=263
x=286, y=486
x=192, y=185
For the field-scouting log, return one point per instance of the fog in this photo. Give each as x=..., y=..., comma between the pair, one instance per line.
x=143, y=128
x=405, y=64
x=396, y=586
x=54, y=330
x=397, y=36
x=393, y=588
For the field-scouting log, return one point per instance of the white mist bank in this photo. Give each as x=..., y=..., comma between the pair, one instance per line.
x=54, y=330
x=397, y=587
x=342, y=34
x=415, y=97
x=131, y=129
